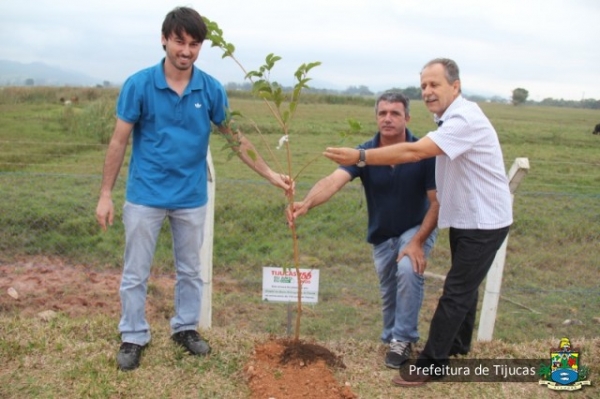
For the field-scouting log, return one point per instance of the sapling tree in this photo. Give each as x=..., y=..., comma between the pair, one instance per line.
x=282, y=105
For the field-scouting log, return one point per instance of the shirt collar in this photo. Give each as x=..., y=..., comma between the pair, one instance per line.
x=160, y=80
x=456, y=103
x=377, y=138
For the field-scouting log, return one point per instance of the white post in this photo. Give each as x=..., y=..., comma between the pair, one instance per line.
x=206, y=252
x=493, y=284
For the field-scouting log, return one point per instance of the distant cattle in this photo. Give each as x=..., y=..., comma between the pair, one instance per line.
x=73, y=100
x=597, y=129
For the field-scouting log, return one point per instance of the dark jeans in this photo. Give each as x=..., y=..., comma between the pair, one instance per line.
x=451, y=328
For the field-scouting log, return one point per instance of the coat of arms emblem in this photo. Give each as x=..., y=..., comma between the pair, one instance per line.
x=564, y=372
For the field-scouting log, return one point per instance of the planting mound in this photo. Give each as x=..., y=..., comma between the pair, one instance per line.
x=282, y=368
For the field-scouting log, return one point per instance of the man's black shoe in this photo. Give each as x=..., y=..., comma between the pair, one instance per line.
x=192, y=342
x=398, y=354
x=129, y=355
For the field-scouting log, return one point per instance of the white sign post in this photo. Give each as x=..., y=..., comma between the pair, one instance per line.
x=206, y=252
x=491, y=297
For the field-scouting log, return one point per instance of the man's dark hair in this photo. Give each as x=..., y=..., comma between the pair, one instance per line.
x=394, y=96
x=184, y=19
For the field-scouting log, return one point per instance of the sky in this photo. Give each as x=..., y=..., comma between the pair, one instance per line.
x=551, y=48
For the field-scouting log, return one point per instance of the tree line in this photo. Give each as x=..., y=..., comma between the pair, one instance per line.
x=519, y=96
x=362, y=94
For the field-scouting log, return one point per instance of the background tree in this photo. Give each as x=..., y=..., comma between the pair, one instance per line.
x=519, y=96
x=412, y=92
x=361, y=90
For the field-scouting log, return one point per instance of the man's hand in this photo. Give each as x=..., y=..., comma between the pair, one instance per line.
x=295, y=210
x=417, y=257
x=283, y=181
x=342, y=155
x=105, y=212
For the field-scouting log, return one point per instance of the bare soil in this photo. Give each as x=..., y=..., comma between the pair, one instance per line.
x=278, y=368
x=282, y=368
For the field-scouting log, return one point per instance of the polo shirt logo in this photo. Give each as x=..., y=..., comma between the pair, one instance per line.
x=198, y=105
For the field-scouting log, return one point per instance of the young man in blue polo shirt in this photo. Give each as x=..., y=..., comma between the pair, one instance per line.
x=402, y=212
x=168, y=110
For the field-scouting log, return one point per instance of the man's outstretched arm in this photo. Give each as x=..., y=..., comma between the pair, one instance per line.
x=388, y=155
x=243, y=147
x=320, y=193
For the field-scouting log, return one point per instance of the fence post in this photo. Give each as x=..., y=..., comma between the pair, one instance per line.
x=493, y=283
x=206, y=252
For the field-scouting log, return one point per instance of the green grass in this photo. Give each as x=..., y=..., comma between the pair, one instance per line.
x=50, y=169
x=74, y=358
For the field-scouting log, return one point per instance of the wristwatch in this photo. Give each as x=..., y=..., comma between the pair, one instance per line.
x=361, y=158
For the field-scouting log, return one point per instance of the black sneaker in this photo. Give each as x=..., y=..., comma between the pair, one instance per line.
x=398, y=354
x=192, y=342
x=129, y=355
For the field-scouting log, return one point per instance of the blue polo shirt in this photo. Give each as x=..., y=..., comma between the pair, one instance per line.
x=396, y=195
x=170, y=139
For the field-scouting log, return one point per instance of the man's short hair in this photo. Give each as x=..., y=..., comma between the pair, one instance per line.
x=394, y=96
x=184, y=19
x=450, y=68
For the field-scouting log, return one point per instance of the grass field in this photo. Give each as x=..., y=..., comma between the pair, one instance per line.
x=50, y=168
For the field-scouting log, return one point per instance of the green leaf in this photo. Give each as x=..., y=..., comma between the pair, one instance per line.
x=296, y=93
x=278, y=96
x=355, y=126
x=235, y=113
x=293, y=106
x=299, y=73
x=251, y=154
x=303, y=82
x=265, y=95
x=253, y=74
x=271, y=59
x=262, y=86
x=312, y=65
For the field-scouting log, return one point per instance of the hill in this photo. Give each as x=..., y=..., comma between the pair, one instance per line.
x=14, y=73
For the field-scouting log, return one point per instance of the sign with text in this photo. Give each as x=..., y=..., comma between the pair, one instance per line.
x=282, y=286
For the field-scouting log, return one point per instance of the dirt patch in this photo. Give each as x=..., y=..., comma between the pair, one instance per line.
x=40, y=284
x=282, y=368
x=278, y=368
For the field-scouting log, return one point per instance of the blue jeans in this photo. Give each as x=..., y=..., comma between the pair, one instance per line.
x=401, y=288
x=142, y=227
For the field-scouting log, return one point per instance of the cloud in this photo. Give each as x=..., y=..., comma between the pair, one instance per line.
x=548, y=47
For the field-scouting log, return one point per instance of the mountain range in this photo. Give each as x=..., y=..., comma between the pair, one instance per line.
x=14, y=73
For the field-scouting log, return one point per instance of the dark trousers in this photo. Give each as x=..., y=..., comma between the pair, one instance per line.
x=451, y=328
